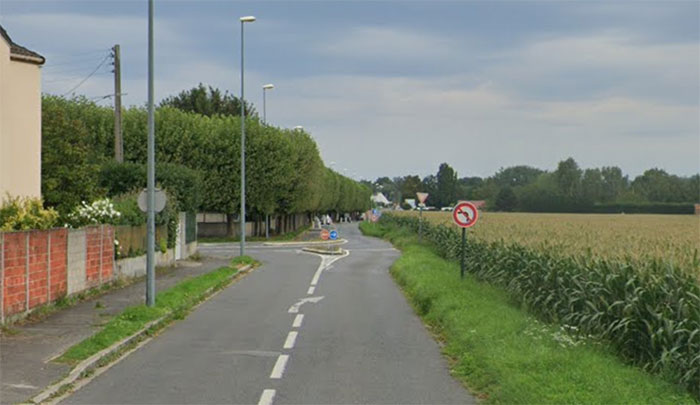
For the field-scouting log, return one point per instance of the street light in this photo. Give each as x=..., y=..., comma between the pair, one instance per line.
x=150, y=175
x=266, y=87
x=242, y=217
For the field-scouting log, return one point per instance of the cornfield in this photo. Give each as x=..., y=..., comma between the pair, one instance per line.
x=674, y=239
x=648, y=310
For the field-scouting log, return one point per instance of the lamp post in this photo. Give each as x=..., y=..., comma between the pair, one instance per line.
x=269, y=86
x=266, y=87
x=151, y=175
x=242, y=217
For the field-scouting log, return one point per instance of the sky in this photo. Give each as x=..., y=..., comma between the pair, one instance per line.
x=391, y=88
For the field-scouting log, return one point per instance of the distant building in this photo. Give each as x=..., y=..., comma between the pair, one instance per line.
x=479, y=204
x=20, y=119
x=380, y=199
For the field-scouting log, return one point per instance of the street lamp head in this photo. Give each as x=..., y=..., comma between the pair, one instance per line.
x=268, y=86
x=246, y=19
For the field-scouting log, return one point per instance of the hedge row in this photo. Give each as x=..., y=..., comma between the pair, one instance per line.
x=648, y=311
x=284, y=171
x=658, y=208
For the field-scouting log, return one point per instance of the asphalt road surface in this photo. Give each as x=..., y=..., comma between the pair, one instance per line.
x=301, y=329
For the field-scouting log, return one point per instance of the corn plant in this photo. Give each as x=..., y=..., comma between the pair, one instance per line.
x=648, y=311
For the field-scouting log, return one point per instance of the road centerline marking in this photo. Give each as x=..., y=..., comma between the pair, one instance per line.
x=297, y=321
x=266, y=397
x=279, y=367
x=291, y=340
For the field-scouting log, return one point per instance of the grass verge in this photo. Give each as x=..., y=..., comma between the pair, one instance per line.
x=505, y=355
x=174, y=303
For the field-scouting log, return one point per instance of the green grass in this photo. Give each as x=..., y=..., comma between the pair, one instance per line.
x=289, y=236
x=173, y=303
x=244, y=260
x=505, y=355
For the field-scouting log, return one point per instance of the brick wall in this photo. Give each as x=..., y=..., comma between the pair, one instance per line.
x=38, y=267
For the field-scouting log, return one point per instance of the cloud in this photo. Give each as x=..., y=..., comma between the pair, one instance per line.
x=419, y=123
x=395, y=100
x=384, y=43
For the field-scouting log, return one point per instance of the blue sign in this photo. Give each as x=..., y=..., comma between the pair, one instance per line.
x=334, y=235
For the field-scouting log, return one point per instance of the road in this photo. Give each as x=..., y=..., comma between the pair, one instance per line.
x=297, y=330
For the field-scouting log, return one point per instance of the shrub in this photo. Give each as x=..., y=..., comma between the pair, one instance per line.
x=98, y=212
x=183, y=183
x=120, y=178
x=127, y=205
x=18, y=214
x=132, y=215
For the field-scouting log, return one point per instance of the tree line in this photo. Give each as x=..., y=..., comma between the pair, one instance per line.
x=568, y=188
x=285, y=174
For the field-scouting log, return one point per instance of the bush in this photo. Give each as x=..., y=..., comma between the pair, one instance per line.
x=183, y=183
x=18, y=214
x=649, y=310
x=98, y=212
x=127, y=205
x=120, y=178
x=132, y=215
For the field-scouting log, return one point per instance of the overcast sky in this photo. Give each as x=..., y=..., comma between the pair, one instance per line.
x=397, y=87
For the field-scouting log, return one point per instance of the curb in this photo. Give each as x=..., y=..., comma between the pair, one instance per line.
x=324, y=252
x=93, y=362
x=318, y=242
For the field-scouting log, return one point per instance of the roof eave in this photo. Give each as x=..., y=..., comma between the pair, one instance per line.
x=28, y=59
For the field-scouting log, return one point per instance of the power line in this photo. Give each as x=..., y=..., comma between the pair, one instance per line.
x=72, y=78
x=72, y=61
x=88, y=76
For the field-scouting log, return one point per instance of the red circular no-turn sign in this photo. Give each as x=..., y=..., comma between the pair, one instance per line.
x=465, y=214
x=325, y=234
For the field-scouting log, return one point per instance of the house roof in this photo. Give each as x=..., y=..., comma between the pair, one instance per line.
x=380, y=199
x=20, y=53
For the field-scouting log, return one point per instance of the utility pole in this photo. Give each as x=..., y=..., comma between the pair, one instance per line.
x=151, y=175
x=118, y=140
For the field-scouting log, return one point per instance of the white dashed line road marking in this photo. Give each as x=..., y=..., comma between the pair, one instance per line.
x=267, y=397
x=280, y=365
x=291, y=339
x=297, y=321
x=311, y=290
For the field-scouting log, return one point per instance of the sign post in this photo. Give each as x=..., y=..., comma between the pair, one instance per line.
x=421, y=203
x=464, y=215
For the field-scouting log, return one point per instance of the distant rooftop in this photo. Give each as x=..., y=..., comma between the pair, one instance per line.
x=20, y=53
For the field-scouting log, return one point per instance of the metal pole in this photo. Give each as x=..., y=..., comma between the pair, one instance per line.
x=242, y=218
x=464, y=247
x=267, y=216
x=420, y=224
x=150, y=225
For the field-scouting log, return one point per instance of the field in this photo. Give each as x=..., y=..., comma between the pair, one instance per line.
x=674, y=238
x=629, y=281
